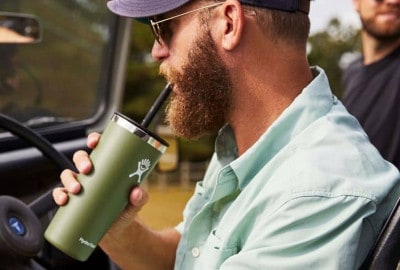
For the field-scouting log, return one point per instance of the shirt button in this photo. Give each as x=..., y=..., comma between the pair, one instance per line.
x=195, y=252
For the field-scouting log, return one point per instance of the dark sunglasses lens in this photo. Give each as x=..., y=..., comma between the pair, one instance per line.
x=161, y=31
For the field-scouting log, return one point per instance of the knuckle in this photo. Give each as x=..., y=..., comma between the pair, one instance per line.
x=78, y=155
x=65, y=173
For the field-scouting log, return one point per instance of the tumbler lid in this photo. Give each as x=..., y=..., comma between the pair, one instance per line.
x=143, y=133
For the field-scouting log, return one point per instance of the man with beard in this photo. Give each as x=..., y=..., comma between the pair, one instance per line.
x=372, y=82
x=294, y=182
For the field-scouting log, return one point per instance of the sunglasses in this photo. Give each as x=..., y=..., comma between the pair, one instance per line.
x=161, y=34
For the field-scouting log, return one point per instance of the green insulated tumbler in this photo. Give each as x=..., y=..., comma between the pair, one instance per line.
x=124, y=156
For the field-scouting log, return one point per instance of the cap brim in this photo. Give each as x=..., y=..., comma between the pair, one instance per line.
x=143, y=8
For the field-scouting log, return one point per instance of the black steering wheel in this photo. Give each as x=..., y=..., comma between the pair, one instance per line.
x=21, y=233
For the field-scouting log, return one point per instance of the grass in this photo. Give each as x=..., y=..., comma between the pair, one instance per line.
x=165, y=206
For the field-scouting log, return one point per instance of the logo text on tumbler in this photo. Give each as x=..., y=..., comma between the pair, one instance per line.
x=86, y=243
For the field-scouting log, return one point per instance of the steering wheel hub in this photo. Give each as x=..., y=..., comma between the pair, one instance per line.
x=21, y=233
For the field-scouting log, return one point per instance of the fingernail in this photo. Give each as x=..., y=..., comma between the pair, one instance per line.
x=61, y=199
x=140, y=195
x=84, y=166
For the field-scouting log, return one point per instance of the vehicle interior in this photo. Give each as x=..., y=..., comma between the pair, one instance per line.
x=62, y=75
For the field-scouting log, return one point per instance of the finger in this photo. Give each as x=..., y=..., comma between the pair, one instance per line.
x=92, y=139
x=82, y=161
x=60, y=196
x=138, y=197
x=68, y=179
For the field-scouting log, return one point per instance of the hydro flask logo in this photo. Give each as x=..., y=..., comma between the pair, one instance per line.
x=143, y=166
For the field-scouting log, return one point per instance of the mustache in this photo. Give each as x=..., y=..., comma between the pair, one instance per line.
x=168, y=74
x=390, y=9
x=174, y=77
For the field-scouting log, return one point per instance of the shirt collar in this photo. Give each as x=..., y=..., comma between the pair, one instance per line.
x=314, y=102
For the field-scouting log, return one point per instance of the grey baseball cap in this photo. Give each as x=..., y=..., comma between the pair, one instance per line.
x=149, y=8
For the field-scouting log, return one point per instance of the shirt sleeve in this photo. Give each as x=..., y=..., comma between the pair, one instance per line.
x=180, y=227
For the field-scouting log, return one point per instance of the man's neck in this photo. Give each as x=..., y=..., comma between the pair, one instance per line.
x=375, y=50
x=258, y=103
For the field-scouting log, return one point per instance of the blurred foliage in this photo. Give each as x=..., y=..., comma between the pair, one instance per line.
x=332, y=49
x=143, y=83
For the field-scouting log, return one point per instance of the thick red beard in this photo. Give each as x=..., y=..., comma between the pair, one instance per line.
x=201, y=100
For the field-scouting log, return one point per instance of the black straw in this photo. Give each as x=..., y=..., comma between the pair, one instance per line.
x=157, y=105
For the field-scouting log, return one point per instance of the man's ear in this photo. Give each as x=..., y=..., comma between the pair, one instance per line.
x=232, y=23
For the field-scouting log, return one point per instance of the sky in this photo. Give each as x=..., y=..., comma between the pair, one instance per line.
x=322, y=11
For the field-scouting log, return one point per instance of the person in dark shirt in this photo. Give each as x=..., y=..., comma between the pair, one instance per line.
x=372, y=82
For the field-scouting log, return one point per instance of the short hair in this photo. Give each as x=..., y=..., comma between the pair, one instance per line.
x=292, y=27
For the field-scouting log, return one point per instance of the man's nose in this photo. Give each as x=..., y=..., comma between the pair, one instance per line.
x=160, y=52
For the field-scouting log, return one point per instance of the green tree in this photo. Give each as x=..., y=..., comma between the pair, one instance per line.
x=327, y=48
x=142, y=81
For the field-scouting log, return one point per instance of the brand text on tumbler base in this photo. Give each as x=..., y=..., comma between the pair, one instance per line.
x=86, y=243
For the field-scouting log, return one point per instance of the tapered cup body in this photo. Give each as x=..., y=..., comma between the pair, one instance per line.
x=123, y=158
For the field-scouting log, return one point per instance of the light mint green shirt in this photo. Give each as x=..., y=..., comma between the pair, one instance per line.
x=311, y=193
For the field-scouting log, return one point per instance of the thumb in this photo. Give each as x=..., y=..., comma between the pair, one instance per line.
x=137, y=198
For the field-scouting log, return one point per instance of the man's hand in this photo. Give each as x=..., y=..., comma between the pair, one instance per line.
x=81, y=159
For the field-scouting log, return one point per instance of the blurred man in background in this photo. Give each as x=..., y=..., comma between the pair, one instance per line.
x=372, y=82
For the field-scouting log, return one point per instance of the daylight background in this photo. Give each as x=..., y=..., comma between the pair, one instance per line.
x=323, y=10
